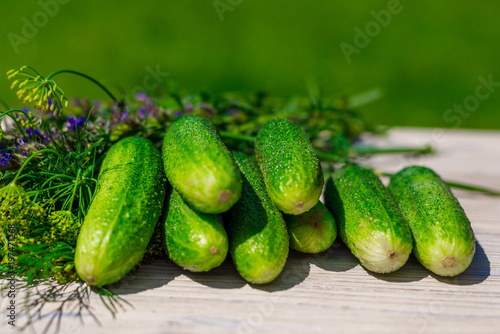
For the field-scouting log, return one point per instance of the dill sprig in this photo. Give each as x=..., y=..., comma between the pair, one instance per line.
x=43, y=92
x=36, y=90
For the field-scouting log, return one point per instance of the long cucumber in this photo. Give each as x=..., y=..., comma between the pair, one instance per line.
x=369, y=221
x=123, y=213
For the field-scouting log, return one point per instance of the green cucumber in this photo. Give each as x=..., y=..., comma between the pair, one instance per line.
x=292, y=172
x=124, y=212
x=313, y=231
x=369, y=221
x=258, y=240
x=199, y=166
x=193, y=240
x=444, y=240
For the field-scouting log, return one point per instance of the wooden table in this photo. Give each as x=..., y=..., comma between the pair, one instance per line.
x=331, y=292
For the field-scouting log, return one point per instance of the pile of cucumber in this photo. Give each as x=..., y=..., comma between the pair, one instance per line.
x=256, y=208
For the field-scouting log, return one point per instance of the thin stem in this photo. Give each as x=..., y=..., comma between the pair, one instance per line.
x=77, y=185
x=453, y=185
x=8, y=113
x=329, y=157
x=64, y=176
x=63, y=192
x=31, y=68
x=86, y=77
x=51, y=188
x=472, y=188
x=365, y=150
x=54, y=176
x=31, y=158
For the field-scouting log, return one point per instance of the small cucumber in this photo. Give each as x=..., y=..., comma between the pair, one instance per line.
x=258, y=240
x=292, y=172
x=124, y=212
x=444, y=240
x=193, y=240
x=369, y=221
x=199, y=166
x=313, y=231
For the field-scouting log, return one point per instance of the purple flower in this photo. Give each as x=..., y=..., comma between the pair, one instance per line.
x=142, y=97
x=206, y=107
x=232, y=111
x=4, y=156
x=74, y=123
x=21, y=141
x=189, y=108
x=32, y=132
x=97, y=104
x=142, y=112
x=178, y=114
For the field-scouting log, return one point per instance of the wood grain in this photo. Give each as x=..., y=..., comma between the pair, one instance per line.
x=331, y=292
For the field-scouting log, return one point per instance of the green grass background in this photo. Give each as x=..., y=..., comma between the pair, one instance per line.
x=426, y=60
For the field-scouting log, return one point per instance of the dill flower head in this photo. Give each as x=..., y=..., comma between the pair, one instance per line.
x=17, y=211
x=36, y=90
x=12, y=197
x=65, y=227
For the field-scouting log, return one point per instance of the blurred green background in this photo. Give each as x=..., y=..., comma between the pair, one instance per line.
x=426, y=59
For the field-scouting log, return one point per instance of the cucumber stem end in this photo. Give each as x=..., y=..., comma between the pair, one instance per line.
x=225, y=196
x=449, y=262
x=299, y=205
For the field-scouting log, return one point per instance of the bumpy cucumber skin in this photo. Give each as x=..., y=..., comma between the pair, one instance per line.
x=369, y=221
x=444, y=240
x=292, y=172
x=199, y=166
x=313, y=231
x=124, y=212
x=193, y=240
x=258, y=239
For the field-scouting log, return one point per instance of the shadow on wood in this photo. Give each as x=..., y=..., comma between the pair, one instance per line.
x=226, y=276
x=337, y=258
x=223, y=277
x=295, y=272
x=149, y=276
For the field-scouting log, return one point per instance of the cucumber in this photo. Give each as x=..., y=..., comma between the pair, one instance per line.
x=369, y=221
x=123, y=214
x=444, y=240
x=313, y=231
x=292, y=172
x=199, y=166
x=258, y=240
x=193, y=240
